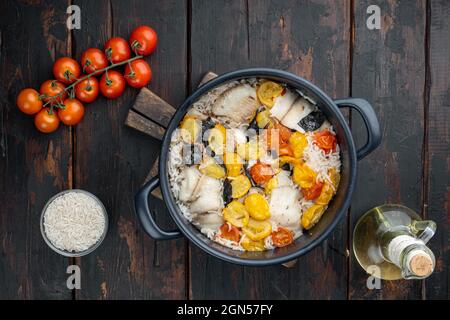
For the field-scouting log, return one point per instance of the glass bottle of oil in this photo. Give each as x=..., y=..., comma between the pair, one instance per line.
x=389, y=242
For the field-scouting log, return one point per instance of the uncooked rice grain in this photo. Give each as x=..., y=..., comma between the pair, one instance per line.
x=74, y=222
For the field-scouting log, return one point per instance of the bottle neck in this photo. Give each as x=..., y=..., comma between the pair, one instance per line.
x=411, y=255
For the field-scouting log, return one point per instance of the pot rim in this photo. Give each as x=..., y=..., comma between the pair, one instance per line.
x=172, y=207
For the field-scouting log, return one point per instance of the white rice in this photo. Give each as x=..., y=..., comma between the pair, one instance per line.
x=319, y=161
x=74, y=222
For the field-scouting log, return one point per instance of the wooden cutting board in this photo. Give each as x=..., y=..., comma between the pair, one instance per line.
x=151, y=115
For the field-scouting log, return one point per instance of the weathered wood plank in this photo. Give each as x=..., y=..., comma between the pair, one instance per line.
x=33, y=166
x=389, y=71
x=310, y=39
x=438, y=206
x=112, y=161
x=140, y=123
x=153, y=107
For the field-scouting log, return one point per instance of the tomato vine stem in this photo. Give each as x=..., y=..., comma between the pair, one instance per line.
x=96, y=72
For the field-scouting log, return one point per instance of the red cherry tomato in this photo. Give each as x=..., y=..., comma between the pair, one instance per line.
x=117, y=50
x=143, y=40
x=277, y=134
x=112, y=84
x=138, y=73
x=66, y=70
x=53, y=91
x=93, y=59
x=261, y=173
x=285, y=150
x=28, y=101
x=87, y=90
x=72, y=113
x=46, y=122
x=325, y=140
x=313, y=192
x=230, y=232
x=282, y=237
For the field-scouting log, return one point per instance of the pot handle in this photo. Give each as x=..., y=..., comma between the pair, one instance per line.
x=146, y=218
x=370, y=120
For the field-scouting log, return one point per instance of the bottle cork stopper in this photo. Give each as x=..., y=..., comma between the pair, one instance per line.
x=421, y=265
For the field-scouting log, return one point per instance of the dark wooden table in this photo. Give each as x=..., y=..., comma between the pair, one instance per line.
x=403, y=69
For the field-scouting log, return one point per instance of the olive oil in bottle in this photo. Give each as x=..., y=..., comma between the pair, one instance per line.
x=393, y=238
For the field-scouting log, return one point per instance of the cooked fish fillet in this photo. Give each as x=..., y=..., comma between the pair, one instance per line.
x=207, y=195
x=299, y=109
x=237, y=104
x=191, y=177
x=285, y=207
x=208, y=220
x=283, y=104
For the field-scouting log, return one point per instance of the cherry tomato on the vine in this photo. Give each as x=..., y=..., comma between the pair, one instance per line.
x=112, y=84
x=46, y=121
x=143, y=40
x=53, y=91
x=87, y=90
x=138, y=73
x=93, y=59
x=66, y=70
x=72, y=113
x=28, y=101
x=117, y=50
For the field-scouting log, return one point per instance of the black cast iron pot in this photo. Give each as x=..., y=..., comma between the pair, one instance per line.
x=337, y=207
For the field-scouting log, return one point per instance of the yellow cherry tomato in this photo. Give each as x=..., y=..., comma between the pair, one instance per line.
x=298, y=143
x=217, y=138
x=233, y=163
x=268, y=91
x=236, y=214
x=257, y=206
x=190, y=129
x=288, y=159
x=272, y=184
x=212, y=169
x=251, y=245
x=325, y=195
x=263, y=119
x=240, y=186
x=304, y=176
x=257, y=230
x=312, y=215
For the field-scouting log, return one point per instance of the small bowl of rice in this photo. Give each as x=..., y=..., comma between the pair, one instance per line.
x=74, y=223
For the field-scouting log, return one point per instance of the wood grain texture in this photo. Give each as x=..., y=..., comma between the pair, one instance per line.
x=389, y=71
x=112, y=160
x=402, y=69
x=153, y=107
x=33, y=166
x=310, y=39
x=438, y=205
x=142, y=124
